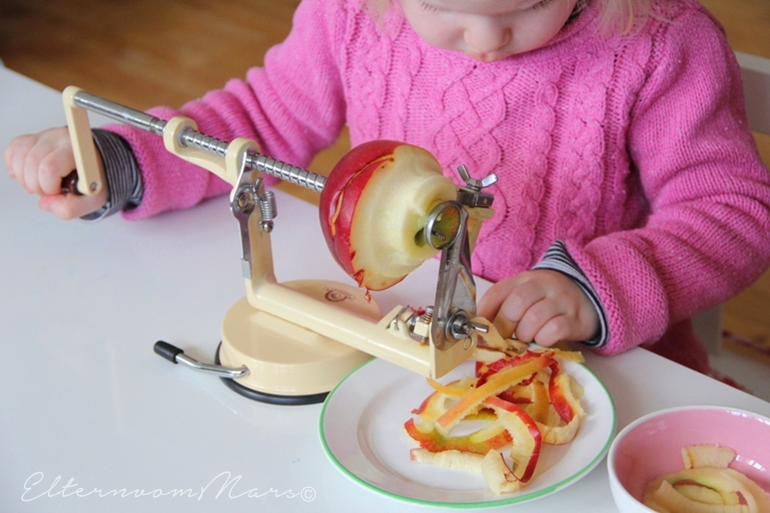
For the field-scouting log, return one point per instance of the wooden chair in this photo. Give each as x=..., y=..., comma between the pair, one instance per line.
x=756, y=86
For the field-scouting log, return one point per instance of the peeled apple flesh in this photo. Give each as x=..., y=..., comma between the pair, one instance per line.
x=706, y=485
x=373, y=210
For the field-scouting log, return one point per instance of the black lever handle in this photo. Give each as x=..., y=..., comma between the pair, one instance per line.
x=167, y=351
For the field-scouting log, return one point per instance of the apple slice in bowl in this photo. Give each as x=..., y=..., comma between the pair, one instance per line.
x=373, y=210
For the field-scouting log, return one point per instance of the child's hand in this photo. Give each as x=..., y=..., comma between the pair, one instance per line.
x=39, y=162
x=543, y=306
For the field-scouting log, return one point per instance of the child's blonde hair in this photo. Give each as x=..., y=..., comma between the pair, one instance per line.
x=617, y=16
x=622, y=16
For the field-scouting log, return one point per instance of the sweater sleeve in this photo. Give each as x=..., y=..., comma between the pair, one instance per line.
x=707, y=234
x=292, y=107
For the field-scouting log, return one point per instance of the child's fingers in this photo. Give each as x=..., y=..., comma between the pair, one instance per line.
x=15, y=154
x=9, y=158
x=534, y=318
x=53, y=167
x=499, y=294
x=521, y=298
x=556, y=320
x=39, y=162
x=490, y=302
x=505, y=327
x=557, y=329
x=34, y=160
x=62, y=207
x=508, y=300
x=38, y=165
x=542, y=305
x=71, y=206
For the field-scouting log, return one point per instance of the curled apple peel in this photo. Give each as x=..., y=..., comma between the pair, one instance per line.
x=706, y=485
x=373, y=210
x=523, y=401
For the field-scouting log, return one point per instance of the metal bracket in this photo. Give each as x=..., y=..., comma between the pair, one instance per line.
x=244, y=199
x=447, y=229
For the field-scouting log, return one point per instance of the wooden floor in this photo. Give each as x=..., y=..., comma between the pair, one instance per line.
x=148, y=52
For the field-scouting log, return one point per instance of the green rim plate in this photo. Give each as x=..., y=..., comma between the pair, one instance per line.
x=361, y=431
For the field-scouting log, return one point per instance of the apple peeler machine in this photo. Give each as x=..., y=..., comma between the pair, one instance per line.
x=292, y=342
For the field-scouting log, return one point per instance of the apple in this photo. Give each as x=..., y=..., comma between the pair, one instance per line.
x=480, y=442
x=707, y=455
x=485, y=371
x=526, y=436
x=538, y=406
x=557, y=390
x=496, y=383
x=561, y=391
x=722, y=481
x=458, y=460
x=706, y=484
x=373, y=209
x=698, y=493
x=498, y=475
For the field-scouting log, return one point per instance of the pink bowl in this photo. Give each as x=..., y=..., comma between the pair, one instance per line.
x=651, y=446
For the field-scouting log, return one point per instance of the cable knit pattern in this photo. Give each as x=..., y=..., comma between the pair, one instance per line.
x=631, y=150
x=578, y=196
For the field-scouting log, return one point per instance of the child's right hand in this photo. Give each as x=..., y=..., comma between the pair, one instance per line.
x=39, y=162
x=542, y=306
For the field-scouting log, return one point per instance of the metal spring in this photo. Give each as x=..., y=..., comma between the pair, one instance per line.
x=427, y=317
x=269, y=210
x=287, y=172
x=190, y=137
x=263, y=163
x=267, y=205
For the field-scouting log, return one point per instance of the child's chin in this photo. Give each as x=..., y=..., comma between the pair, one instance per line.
x=488, y=57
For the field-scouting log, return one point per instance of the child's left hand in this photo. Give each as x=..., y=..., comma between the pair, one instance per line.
x=544, y=306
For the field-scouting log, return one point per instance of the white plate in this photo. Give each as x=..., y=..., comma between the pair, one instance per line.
x=362, y=433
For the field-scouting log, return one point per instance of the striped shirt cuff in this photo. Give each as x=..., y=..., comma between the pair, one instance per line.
x=124, y=182
x=557, y=259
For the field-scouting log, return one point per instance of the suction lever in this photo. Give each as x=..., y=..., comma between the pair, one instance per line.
x=176, y=355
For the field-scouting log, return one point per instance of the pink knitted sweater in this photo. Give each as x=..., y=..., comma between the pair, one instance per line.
x=633, y=151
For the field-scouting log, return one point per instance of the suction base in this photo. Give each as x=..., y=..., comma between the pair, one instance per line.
x=289, y=364
x=263, y=397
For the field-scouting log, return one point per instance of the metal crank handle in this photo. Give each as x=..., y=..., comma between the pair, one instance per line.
x=89, y=175
x=180, y=136
x=176, y=355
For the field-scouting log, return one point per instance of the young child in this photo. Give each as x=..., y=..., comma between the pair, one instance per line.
x=630, y=192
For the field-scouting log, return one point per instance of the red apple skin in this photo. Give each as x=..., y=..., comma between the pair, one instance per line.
x=560, y=403
x=436, y=442
x=340, y=195
x=342, y=208
x=534, y=431
x=483, y=372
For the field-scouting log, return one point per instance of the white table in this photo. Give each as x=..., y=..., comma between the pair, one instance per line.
x=86, y=403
